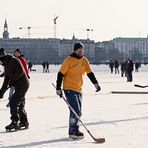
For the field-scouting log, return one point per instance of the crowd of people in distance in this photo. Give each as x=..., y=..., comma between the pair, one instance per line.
x=127, y=67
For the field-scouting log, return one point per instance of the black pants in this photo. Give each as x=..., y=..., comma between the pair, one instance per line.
x=17, y=105
x=129, y=77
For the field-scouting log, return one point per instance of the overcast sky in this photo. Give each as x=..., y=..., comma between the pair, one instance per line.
x=107, y=18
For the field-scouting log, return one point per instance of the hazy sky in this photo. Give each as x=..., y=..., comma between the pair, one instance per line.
x=107, y=18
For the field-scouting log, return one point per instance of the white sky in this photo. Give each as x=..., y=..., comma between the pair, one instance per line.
x=107, y=18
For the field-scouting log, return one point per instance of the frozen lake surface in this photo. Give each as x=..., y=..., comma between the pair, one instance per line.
x=121, y=118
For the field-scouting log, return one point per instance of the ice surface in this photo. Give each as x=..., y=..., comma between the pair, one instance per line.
x=121, y=119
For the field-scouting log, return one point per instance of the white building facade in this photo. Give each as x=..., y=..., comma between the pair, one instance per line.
x=130, y=47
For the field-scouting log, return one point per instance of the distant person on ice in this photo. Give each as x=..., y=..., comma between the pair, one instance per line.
x=44, y=66
x=137, y=65
x=71, y=72
x=116, y=67
x=123, y=64
x=47, y=66
x=111, y=65
x=30, y=65
x=15, y=76
x=129, y=70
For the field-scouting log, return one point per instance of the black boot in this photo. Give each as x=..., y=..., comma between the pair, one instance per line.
x=8, y=105
x=12, y=126
x=23, y=125
x=76, y=135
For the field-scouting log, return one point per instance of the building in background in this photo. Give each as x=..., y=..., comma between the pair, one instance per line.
x=136, y=48
x=55, y=50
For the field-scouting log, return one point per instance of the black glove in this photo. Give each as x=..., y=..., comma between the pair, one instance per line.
x=2, y=75
x=59, y=92
x=11, y=83
x=1, y=94
x=98, y=88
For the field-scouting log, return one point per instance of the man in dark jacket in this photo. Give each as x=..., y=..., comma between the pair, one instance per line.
x=116, y=67
x=129, y=69
x=15, y=76
x=111, y=65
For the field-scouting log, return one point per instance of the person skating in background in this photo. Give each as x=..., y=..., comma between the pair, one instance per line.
x=137, y=65
x=44, y=66
x=47, y=67
x=30, y=65
x=123, y=68
x=111, y=65
x=129, y=69
x=116, y=67
x=18, y=54
x=70, y=74
x=15, y=76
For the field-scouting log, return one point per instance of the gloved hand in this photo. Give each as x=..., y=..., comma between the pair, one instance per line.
x=59, y=92
x=98, y=88
x=1, y=94
x=11, y=83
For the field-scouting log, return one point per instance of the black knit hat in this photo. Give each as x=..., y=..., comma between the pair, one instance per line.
x=2, y=52
x=77, y=46
x=18, y=50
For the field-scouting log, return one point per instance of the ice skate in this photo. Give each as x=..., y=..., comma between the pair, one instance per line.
x=23, y=125
x=77, y=135
x=13, y=126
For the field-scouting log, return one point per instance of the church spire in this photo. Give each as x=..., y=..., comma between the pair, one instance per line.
x=5, y=25
x=5, y=33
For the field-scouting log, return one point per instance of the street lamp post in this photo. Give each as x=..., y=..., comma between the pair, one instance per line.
x=28, y=31
x=28, y=28
x=55, y=22
x=88, y=30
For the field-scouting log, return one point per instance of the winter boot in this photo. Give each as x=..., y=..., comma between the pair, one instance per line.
x=8, y=105
x=76, y=135
x=23, y=125
x=12, y=126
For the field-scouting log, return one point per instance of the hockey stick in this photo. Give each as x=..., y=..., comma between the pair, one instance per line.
x=98, y=140
x=129, y=92
x=136, y=85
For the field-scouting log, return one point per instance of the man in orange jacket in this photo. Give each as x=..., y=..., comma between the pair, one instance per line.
x=71, y=72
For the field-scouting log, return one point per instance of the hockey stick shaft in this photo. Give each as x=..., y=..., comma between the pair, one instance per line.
x=99, y=140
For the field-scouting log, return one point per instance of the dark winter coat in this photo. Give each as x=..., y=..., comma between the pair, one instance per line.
x=130, y=66
x=14, y=73
x=123, y=64
x=116, y=64
x=111, y=64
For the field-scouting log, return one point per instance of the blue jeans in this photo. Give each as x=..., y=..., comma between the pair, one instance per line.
x=74, y=99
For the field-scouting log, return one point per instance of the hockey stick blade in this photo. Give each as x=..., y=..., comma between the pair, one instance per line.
x=98, y=140
x=136, y=85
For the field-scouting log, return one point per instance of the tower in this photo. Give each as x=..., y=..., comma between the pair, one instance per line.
x=5, y=33
x=73, y=37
